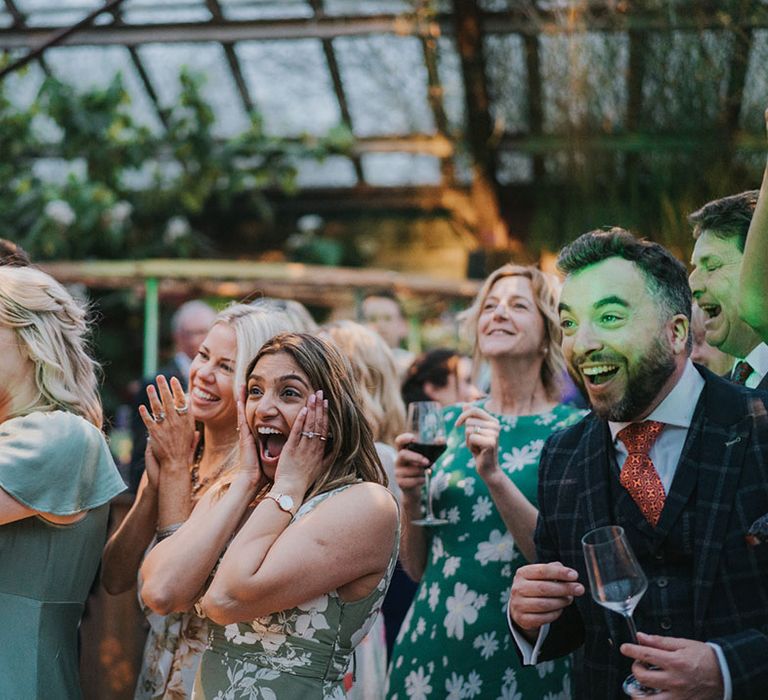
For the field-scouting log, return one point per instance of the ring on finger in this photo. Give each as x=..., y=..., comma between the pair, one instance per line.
x=308, y=434
x=476, y=429
x=182, y=410
x=322, y=438
x=159, y=418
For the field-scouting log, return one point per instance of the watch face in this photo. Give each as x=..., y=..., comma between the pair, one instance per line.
x=286, y=502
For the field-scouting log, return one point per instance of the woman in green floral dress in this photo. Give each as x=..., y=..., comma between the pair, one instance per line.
x=294, y=550
x=454, y=642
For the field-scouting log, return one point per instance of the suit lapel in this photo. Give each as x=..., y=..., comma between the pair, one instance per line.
x=594, y=500
x=720, y=439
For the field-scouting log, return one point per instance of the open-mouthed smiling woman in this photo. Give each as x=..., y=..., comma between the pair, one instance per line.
x=290, y=556
x=171, y=486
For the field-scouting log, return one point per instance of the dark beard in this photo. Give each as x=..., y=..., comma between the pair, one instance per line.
x=643, y=385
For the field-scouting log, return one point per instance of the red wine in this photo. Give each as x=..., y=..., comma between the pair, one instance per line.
x=430, y=451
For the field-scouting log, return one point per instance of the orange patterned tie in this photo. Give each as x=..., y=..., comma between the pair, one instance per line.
x=741, y=372
x=638, y=475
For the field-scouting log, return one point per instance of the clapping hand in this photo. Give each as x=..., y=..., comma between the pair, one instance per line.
x=482, y=436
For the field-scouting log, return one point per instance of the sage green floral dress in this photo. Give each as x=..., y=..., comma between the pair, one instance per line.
x=454, y=643
x=298, y=654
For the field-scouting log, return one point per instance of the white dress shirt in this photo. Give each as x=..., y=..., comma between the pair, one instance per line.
x=758, y=361
x=676, y=412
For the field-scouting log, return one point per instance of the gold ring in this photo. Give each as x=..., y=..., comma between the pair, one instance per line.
x=182, y=410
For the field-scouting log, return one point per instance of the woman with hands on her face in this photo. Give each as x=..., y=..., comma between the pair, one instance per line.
x=181, y=464
x=290, y=555
x=455, y=637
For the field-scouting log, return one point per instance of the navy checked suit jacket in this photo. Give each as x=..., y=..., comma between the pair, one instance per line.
x=727, y=446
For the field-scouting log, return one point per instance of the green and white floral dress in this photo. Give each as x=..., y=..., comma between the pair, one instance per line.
x=298, y=654
x=454, y=643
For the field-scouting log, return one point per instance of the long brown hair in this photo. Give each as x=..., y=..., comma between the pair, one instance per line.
x=350, y=449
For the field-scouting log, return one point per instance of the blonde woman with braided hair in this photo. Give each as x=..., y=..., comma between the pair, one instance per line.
x=56, y=480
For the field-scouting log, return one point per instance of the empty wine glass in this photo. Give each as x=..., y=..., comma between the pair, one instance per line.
x=425, y=421
x=618, y=583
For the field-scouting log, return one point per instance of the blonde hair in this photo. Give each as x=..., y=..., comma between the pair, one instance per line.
x=545, y=294
x=53, y=328
x=253, y=325
x=350, y=449
x=301, y=320
x=375, y=372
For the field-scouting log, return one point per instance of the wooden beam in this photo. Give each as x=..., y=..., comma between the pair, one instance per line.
x=491, y=229
x=338, y=86
x=605, y=16
x=246, y=278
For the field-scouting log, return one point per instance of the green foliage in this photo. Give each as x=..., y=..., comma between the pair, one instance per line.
x=131, y=193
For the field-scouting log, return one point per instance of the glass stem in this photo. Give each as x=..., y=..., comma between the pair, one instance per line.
x=428, y=476
x=632, y=629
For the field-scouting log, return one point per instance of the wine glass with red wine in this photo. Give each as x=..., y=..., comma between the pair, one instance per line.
x=425, y=421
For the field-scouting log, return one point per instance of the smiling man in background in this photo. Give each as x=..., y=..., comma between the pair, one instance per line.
x=720, y=229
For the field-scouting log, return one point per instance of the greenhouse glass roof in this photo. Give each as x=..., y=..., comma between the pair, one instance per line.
x=619, y=76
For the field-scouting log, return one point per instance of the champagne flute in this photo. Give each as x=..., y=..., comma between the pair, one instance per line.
x=618, y=583
x=425, y=421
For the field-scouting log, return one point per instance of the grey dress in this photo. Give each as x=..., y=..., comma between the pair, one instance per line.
x=58, y=463
x=298, y=654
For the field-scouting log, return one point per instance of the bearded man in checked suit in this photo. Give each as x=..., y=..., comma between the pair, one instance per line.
x=625, y=309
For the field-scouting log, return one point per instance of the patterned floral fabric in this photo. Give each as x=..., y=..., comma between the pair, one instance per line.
x=454, y=642
x=172, y=654
x=298, y=654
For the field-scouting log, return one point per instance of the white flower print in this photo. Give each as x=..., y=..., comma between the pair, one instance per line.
x=450, y=566
x=312, y=619
x=434, y=596
x=473, y=686
x=546, y=418
x=482, y=509
x=509, y=687
x=453, y=515
x=487, y=644
x=498, y=548
x=545, y=667
x=509, y=676
x=564, y=694
x=506, y=570
x=504, y=598
x=437, y=549
x=468, y=484
x=439, y=483
x=417, y=685
x=521, y=457
x=421, y=626
x=454, y=687
x=461, y=608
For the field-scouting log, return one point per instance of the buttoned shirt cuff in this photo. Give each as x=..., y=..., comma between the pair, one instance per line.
x=725, y=672
x=530, y=653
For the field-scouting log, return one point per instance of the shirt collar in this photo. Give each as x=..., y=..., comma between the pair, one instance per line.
x=757, y=359
x=678, y=405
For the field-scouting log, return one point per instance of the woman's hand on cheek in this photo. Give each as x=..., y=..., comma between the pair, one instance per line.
x=249, y=451
x=301, y=461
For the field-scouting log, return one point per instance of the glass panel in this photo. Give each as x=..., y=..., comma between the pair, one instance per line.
x=164, y=63
x=449, y=69
x=368, y=7
x=265, y=9
x=753, y=103
x=146, y=12
x=334, y=171
x=21, y=86
x=47, y=13
x=507, y=81
x=584, y=81
x=386, y=84
x=390, y=169
x=686, y=78
x=291, y=86
x=514, y=168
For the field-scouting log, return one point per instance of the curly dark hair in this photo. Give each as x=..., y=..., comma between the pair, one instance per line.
x=666, y=275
